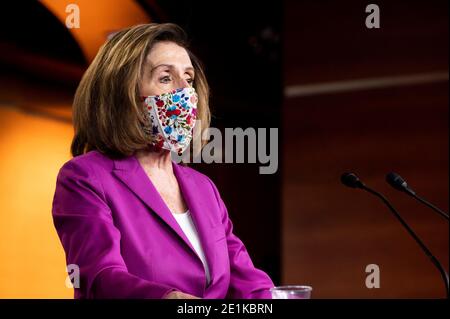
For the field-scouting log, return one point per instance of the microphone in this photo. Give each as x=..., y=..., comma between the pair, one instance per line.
x=400, y=184
x=353, y=181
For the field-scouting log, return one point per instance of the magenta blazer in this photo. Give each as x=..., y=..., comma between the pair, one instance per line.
x=114, y=225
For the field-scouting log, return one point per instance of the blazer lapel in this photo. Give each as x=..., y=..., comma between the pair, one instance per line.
x=130, y=172
x=200, y=212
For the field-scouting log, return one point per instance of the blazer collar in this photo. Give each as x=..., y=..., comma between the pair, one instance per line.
x=131, y=173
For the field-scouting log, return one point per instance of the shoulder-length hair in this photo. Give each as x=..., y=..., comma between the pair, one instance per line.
x=108, y=113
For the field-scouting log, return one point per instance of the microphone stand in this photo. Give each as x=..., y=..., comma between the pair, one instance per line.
x=433, y=259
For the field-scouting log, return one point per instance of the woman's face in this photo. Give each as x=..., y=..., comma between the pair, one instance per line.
x=167, y=67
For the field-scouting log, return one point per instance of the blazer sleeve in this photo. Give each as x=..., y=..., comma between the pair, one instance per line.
x=246, y=281
x=86, y=229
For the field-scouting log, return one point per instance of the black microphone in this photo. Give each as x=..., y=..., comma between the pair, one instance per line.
x=351, y=180
x=400, y=184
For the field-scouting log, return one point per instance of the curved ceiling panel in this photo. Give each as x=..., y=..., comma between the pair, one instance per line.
x=97, y=19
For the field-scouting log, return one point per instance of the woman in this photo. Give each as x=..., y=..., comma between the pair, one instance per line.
x=137, y=224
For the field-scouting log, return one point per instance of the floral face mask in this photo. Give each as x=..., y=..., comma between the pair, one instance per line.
x=171, y=118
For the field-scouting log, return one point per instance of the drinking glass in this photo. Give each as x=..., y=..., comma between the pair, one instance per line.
x=291, y=292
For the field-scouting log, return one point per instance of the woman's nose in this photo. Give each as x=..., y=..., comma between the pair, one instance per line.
x=181, y=83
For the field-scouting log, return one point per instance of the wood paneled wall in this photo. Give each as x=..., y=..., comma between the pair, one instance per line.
x=330, y=232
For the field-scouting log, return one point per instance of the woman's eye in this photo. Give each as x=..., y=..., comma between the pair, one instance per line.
x=165, y=79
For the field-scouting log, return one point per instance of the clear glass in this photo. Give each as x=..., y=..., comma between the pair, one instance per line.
x=291, y=292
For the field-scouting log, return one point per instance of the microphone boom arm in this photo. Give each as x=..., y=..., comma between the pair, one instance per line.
x=433, y=259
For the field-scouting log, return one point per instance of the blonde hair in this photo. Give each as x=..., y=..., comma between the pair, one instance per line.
x=107, y=110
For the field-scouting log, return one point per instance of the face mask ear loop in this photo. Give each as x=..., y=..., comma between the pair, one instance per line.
x=155, y=110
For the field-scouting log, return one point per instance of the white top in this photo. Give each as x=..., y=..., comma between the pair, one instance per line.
x=188, y=227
